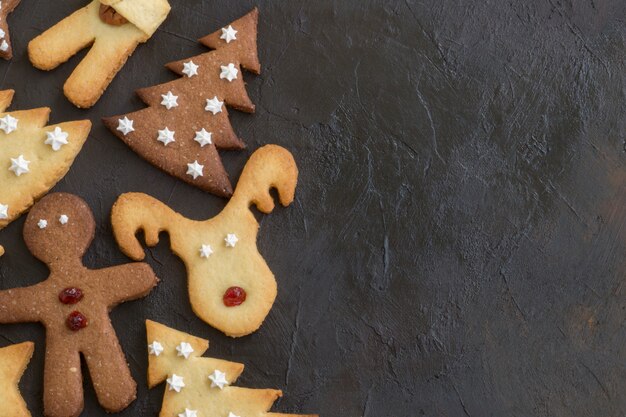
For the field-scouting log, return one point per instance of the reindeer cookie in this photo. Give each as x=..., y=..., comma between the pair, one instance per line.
x=230, y=285
x=113, y=29
x=73, y=305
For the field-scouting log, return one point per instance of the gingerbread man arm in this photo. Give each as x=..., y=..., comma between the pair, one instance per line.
x=269, y=167
x=133, y=212
x=19, y=305
x=126, y=282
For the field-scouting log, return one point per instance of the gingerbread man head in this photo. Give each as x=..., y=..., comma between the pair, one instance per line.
x=59, y=228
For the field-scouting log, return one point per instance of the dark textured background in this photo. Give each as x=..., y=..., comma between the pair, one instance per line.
x=457, y=247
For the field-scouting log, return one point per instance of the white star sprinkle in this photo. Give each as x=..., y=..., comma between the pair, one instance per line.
x=195, y=170
x=190, y=69
x=204, y=138
x=4, y=211
x=63, y=219
x=125, y=126
x=214, y=105
x=2, y=34
x=175, y=383
x=56, y=139
x=229, y=72
x=169, y=100
x=231, y=414
x=42, y=224
x=189, y=413
x=206, y=251
x=19, y=165
x=166, y=136
x=155, y=348
x=184, y=349
x=8, y=123
x=4, y=46
x=229, y=34
x=231, y=240
x=218, y=379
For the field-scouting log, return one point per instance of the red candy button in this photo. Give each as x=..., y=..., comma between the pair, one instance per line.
x=234, y=296
x=76, y=321
x=71, y=295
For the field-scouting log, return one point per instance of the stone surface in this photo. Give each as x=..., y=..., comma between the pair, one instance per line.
x=457, y=245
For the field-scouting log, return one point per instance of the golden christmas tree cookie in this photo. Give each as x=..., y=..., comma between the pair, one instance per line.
x=33, y=156
x=13, y=362
x=197, y=386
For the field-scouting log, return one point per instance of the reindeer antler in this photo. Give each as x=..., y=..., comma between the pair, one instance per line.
x=269, y=167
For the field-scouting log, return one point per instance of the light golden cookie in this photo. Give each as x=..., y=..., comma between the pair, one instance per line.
x=114, y=27
x=33, y=156
x=13, y=362
x=230, y=285
x=197, y=386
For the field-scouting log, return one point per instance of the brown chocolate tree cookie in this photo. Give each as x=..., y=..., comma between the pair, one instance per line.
x=73, y=305
x=6, y=7
x=187, y=121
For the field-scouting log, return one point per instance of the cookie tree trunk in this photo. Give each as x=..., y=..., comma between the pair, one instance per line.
x=187, y=121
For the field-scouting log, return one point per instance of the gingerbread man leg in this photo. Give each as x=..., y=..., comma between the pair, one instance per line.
x=115, y=390
x=62, y=362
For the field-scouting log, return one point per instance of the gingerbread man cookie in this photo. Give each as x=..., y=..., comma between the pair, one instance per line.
x=13, y=362
x=113, y=29
x=6, y=7
x=73, y=305
x=230, y=285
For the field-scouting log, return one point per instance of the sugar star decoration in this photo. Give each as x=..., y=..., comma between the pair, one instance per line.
x=155, y=348
x=229, y=34
x=8, y=123
x=214, y=105
x=169, y=100
x=190, y=69
x=189, y=413
x=231, y=240
x=195, y=169
x=4, y=211
x=231, y=414
x=42, y=224
x=184, y=349
x=218, y=379
x=125, y=126
x=19, y=165
x=206, y=251
x=229, y=72
x=204, y=138
x=175, y=383
x=63, y=219
x=56, y=139
x=166, y=136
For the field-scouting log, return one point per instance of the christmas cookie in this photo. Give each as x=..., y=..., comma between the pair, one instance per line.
x=13, y=362
x=73, y=305
x=6, y=7
x=33, y=156
x=187, y=121
x=113, y=29
x=197, y=386
x=230, y=285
